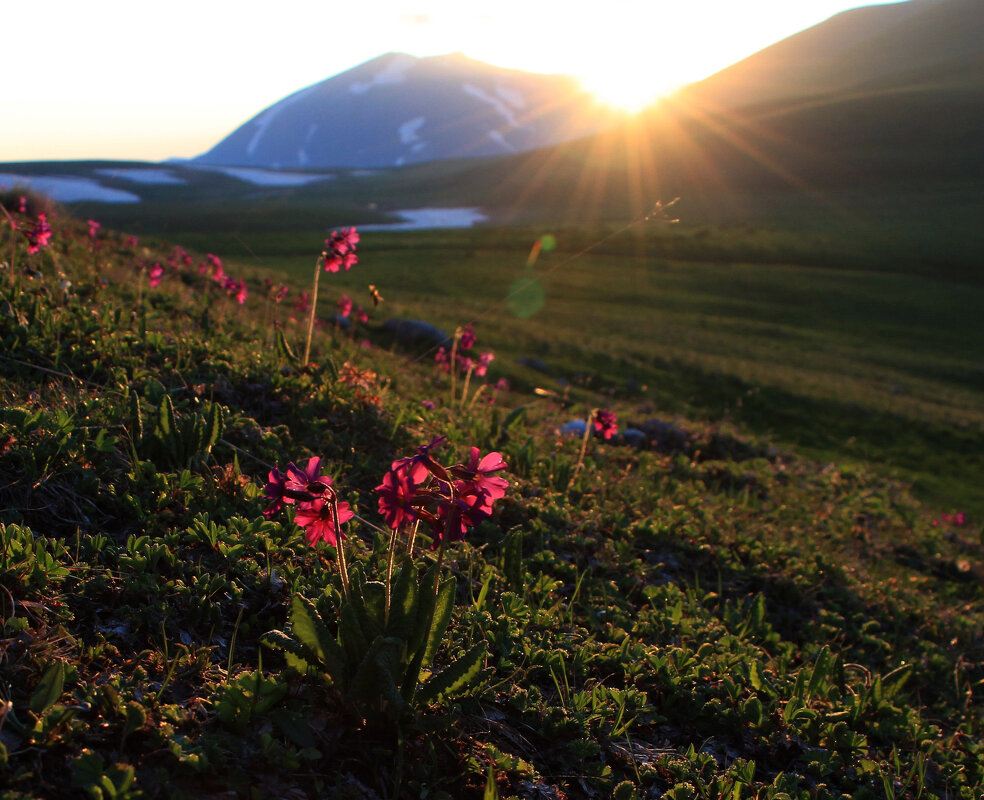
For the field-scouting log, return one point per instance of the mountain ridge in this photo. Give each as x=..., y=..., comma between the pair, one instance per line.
x=398, y=109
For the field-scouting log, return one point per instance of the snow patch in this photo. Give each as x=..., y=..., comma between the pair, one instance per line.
x=511, y=96
x=157, y=177
x=262, y=122
x=69, y=189
x=495, y=102
x=423, y=218
x=394, y=72
x=408, y=130
x=266, y=177
x=500, y=140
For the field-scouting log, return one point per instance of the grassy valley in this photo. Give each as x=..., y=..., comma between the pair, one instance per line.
x=742, y=601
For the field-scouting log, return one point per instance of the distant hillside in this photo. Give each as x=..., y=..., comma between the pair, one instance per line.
x=936, y=43
x=398, y=109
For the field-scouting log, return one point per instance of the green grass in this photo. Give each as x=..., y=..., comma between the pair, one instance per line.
x=716, y=618
x=840, y=362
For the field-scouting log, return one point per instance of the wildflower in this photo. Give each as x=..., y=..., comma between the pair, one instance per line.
x=604, y=423
x=467, y=340
x=156, y=274
x=275, y=491
x=502, y=385
x=303, y=303
x=466, y=363
x=307, y=481
x=361, y=315
x=281, y=294
x=345, y=305
x=428, y=404
x=339, y=250
x=441, y=357
x=93, y=228
x=39, y=235
x=482, y=366
x=131, y=241
x=343, y=242
x=318, y=520
x=397, y=493
x=22, y=204
x=476, y=478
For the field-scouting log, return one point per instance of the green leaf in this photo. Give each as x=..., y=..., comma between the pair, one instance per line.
x=350, y=634
x=513, y=417
x=214, y=429
x=49, y=689
x=374, y=683
x=312, y=632
x=820, y=670
x=284, y=348
x=404, y=601
x=512, y=560
x=442, y=617
x=491, y=789
x=165, y=417
x=459, y=675
x=136, y=718
x=136, y=421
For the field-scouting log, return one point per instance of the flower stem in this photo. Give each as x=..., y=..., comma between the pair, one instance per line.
x=584, y=448
x=339, y=550
x=464, y=388
x=453, y=361
x=314, y=304
x=389, y=575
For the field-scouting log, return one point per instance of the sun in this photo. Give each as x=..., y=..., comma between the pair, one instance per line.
x=630, y=93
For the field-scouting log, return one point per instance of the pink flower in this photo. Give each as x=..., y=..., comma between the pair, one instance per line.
x=441, y=358
x=131, y=241
x=343, y=241
x=307, y=481
x=502, y=385
x=604, y=423
x=39, y=235
x=316, y=517
x=23, y=205
x=303, y=303
x=275, y=492
x=428, y=404
x=345, y=305
x=397, y=493
x=93, y=228
x=467, y=340
x=156, y=274
x=476, y=478
x=361, y=315
x=281, y=294
x=483, y=363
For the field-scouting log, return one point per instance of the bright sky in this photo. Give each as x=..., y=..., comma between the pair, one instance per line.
x=125, y=79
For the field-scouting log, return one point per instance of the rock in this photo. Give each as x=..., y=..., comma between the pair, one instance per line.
x=534, y=363
x=416, y=331
x=575, y=427
x=667, y=437
x=633, y=437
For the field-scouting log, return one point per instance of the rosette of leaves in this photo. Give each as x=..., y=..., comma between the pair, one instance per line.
x=177, y=442
x=381, y=644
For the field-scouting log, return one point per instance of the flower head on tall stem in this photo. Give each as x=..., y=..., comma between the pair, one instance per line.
x=605, y=423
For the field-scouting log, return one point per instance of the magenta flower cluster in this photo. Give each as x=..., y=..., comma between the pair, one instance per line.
x=450, y=499
x=318, y=511
x=339, y=250
x=604, y=423
x=39, y=234
x=465, y=363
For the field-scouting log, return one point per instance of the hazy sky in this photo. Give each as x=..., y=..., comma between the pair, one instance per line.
x=128, y=79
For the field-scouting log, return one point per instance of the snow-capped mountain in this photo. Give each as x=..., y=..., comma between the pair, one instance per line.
x=398, y=109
